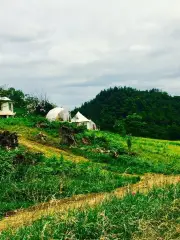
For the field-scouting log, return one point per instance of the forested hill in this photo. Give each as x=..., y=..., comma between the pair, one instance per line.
x=150, y=113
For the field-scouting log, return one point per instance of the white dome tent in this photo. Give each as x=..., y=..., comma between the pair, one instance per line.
x=79, y=119
x=58, y=113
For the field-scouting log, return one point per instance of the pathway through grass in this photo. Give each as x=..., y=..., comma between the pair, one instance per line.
x=50, y=151
x=27, y=216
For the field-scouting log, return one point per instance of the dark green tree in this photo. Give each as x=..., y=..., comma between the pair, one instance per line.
x=159, y=110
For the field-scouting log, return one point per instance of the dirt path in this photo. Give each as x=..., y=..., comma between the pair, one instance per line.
x=50, y=151
x=27, y=216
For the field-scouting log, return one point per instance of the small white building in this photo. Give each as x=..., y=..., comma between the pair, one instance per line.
x=6, y=108
x=80, y=120
x=58, y=114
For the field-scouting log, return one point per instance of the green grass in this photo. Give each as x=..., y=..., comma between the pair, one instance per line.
x=153, y=216
x=150, y=155
x=27, y=127
x=29, y=178
x=157, y=156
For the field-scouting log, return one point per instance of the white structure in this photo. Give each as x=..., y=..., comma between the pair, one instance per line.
x=81, y=120
x=58, y=114
x=6, y=107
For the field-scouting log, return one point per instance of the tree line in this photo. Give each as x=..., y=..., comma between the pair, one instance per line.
x=150, y=113
x=27, y=104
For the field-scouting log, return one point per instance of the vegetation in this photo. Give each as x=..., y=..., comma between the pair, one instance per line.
x=28, y=178
x=45, y=169
x=26, y=104
x=144, y=155
x=137, y=216
x=152, y=113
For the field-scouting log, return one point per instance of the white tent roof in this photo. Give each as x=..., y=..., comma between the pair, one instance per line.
x=4, y=99
x=79, y=118
x=57, y=113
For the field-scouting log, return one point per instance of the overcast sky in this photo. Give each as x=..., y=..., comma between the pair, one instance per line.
x=72, y=49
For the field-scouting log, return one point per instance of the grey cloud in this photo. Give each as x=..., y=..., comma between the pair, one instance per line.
x=71, y=51
x=16, y=38
x=172, y=74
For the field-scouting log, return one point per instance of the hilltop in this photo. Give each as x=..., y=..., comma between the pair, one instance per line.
x=150, y=113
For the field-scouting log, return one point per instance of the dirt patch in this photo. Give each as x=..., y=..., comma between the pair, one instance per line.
x=50, y=151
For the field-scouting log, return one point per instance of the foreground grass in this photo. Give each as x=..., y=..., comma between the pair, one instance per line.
x=28, y=178
x=136, y=216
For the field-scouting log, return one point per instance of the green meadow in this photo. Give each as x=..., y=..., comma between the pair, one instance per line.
x=41, y=172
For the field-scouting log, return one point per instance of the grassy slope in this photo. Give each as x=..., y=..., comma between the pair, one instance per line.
x=58, y=174
x=26, y=217
x=150, y=217
x=152, y=156
x=148, y=150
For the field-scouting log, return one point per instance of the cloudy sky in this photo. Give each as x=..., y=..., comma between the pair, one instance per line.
x=72, y=49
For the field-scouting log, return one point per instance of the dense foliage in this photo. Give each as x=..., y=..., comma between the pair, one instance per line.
x=150, y=113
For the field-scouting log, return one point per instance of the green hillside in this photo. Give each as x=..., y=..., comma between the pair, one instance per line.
x=152, y=113
x=43, y=184
x=108, y=185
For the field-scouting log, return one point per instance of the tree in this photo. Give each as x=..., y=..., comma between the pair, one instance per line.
x=120, y=128
x=129, y=142
x=158, y=110
x=134, y=124
x=38, y=105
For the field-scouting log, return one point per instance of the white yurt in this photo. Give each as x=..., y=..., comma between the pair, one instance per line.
x=6, y=107
x=79, y=119
x=58, y=114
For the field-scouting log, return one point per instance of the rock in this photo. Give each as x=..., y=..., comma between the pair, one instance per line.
x=8, y=140
x=42, y=136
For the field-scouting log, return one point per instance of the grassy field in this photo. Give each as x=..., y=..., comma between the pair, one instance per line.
x=158, y=156
x=30, y=178
x=150, y=155
x=44, y=171
x=136, y=216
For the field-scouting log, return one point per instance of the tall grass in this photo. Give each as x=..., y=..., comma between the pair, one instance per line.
x=137, y=216
x=28, y=178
